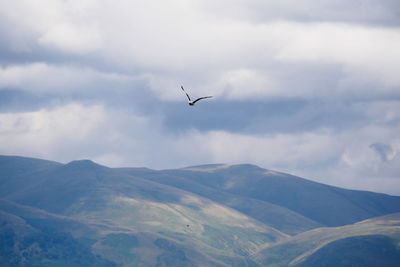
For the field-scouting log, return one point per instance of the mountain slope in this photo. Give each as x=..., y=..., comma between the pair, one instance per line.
x=88, y=192
x=28, y=235
x=312, y=246
x=370, y=250
x=211, y=215
x=276, y=216
x=334, y=206
x=16, y=171
x=37, y=237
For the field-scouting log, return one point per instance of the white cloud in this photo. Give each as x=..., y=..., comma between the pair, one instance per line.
x=75, y=131
x=234, y=52
x=43, y=132
x=274, y=151
x=43, y=77
x=245, y=83
x=367, y=51
x=64, y=25
x=201, y=45
x=71, y=38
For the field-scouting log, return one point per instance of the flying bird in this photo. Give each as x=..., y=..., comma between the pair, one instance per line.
x=191, y=103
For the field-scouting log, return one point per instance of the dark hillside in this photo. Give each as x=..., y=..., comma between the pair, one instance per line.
x=15, y=172
x=373, y=241
x=368, y=251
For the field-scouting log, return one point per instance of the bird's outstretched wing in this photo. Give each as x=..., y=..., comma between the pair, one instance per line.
x=200, y=98
x=186, y=93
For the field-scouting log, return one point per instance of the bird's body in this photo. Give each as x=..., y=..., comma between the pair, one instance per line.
x=190, y=102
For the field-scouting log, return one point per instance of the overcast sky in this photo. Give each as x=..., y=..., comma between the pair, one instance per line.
x=308, y=87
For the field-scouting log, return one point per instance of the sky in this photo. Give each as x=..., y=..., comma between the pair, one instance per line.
x=307, y=87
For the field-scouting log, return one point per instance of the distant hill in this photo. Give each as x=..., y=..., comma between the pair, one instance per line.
x=83, y=213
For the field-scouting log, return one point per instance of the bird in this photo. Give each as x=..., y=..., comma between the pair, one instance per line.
x=191, y=103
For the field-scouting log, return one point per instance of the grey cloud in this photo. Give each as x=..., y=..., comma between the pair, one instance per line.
x=261, y=117
x=391, y=168
x=383, y=150
x=368, y=12
x=14, y=100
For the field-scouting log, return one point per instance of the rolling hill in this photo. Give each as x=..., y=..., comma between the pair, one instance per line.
x=83, y=213
x=339, y=246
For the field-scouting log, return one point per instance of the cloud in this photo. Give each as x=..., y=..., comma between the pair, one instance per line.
x=370, y=12
x=60, y=25
x=71, y=38
x=363, y=60
x=387, y=112
x=43, y=132
x=76, y=131
x=385, y=151
x=272, y=150
x=364, y=52
x=245, y=83
x=43, y=77
x=136, y=140
x=197, y=43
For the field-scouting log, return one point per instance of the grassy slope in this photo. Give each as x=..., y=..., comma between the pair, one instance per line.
x=334, y=206
x=36, y=239
x=297, y=249
x=368, y=251
x=39, y=237
x=275, y=216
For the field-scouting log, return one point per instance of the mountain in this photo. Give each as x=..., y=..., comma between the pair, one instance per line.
x=335, y=206
x=86, y=214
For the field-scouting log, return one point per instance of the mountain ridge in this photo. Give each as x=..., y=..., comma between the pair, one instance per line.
x=206, y=215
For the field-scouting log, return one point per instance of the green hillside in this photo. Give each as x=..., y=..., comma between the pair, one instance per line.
x=85, y=214
x=32, y=237
x=276, y=216
x=310, y=248
x=335, y=206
